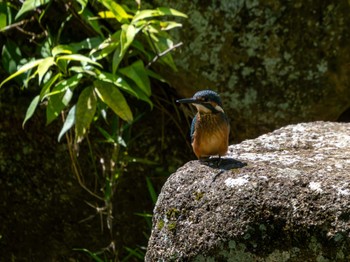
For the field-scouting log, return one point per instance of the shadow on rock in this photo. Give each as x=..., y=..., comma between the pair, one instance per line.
x=223, y=163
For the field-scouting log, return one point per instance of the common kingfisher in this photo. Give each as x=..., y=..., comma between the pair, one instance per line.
x=210, y=127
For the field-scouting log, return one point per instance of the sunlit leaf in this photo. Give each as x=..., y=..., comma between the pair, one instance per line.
x=79, y=58
x=167, y=25
x=138, y=74
x=60, y=97
x=46, y=88
x=85, y=111
x=62, y=49
x=117, y=10
x=161, y=11
x=118, y=81
x=83, y=4
x=110, y=95
x=107, y=46
x=30, y=5
x=56, y=104
x=127, y=36
x=68, y=123
x=44, y=66
x=63, y=85
x=106, y=14
x=170, y=11
x=22, y=70
x=31, y=109
x=117, y=58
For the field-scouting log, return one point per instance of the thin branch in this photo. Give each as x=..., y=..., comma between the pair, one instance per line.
x=15, y=25
x=163, y=53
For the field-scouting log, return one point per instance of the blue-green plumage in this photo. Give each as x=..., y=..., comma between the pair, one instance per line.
x=193, y=124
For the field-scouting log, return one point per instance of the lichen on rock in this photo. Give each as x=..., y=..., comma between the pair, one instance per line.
x=287, y=201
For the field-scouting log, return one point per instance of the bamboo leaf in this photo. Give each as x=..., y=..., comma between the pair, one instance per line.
x=138, y=74
x=44, y=66
x=56, y=104
x=68, y=123
x=79, y=58
x=60, y=97
x=46, y=88
x=22, y=70
x=63, y=85
x=110, y=95
x=117, y=10
x=30, y=5
x=85, y=111
x=161, y=11
x=151, y=190
x=170, y=11
x=31, y=109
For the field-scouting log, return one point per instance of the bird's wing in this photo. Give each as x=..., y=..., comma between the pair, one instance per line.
x=194, y=120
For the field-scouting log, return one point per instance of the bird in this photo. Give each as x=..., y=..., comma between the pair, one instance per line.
x=210, y=126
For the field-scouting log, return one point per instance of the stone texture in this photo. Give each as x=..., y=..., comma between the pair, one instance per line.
x=273, y=62
x=283, y=196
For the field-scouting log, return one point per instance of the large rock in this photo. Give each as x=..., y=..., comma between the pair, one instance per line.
x=274, y=62
x=283, y=196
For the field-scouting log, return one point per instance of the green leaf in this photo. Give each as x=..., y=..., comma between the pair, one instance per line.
x=164, y=43
x=56, y=104
x=151, y=190
x=22, y=70
x=118, y=81
x=44, y=66
x=121, y=82
x=117, y=10
x=78, y=57
x=63, y=85
x=31, y=109
x=138, y=74
x=88, y=16
x=110, y=95
x=10, y=56
x=107, y=46
x=161, y=11
x=68, y=123
x=170, y=11
x=62, y=49
x=60, y=96
x=30, y=5
x=127, y=36
x=107, y=136
x=46, y=88
x=88, y=43
x=83, y=4
x=165, y=25
x=85, y=111
x=91, y=254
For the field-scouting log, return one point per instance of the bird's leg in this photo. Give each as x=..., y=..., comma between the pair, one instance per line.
x=219, y=161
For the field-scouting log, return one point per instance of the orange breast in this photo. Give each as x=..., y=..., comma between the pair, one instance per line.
x=211, y=135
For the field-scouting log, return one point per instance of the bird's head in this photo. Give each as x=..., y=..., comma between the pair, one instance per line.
x=206, y=101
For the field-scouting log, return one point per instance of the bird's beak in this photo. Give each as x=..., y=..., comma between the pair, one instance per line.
x=188, y=101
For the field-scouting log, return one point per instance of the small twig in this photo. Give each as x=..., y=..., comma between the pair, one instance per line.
x=15, y=25
x=163, y=53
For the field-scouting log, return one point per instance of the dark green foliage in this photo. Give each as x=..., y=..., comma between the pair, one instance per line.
x=87, y=79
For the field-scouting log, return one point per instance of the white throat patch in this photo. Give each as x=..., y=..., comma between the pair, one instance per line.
x=203, y=109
